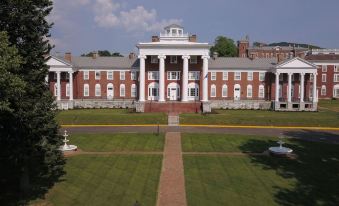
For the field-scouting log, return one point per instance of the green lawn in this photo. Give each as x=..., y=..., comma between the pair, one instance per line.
x=329, y=105
x=107, y=180
x=310, y=179
x=109, y=116
x=118, y=142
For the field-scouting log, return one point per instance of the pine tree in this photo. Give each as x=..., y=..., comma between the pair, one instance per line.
x=30, y=159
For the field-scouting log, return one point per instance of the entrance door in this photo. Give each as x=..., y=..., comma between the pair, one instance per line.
x=110, y=92
x=237, y=92
x=173, y=94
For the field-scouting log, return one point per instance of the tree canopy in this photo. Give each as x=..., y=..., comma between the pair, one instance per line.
x=103, y=53
x=225, y=47
x=30, y=159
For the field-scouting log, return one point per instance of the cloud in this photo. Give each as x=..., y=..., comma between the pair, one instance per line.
x=133, y=20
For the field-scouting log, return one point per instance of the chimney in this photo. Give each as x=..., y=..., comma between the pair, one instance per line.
x=192, y=38
x=155, y=39
x=132, y=55
x=95, y=55
x=68, y=56
x=215, y=55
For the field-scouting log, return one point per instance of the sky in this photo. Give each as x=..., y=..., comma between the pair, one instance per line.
x=81, y=26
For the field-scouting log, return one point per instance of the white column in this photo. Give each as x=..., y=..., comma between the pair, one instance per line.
x=289, y=96
x=315, y=96
x=277, y=87
x=142, y=78
x=205, y=78
x=70, y=85
x=185, y=79
x=58, y=86
x=46, y=78
x=302, y=85
x=162, y=78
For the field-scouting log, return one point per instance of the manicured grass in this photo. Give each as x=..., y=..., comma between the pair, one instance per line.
x=224, y=142
x=109, y=116
x=265, y=118
x=118, y=142
x=107, y=180
x=310, y=179
x=329, y=105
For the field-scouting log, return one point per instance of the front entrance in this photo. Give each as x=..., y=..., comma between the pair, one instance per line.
x=173, y=91
x=237, y=92
x=110, y=92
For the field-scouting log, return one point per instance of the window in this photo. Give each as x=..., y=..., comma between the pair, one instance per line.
x=122, y=90
x=249, y=91
x=261, y=91
x=173, y=59
x=195, y=75
x=336, y=78
x=133, y=75
x=323, y=77
x=67, y=75
x=213, y=91
x=133, y=90
x=86, y=75
x=154, y=60
x=213, y=75
x=173, y=75
x=261, y=76
x=97, y=90
x=67, y=90
x=336, y=91
x=237, y=75
x=86, y=90
x=97, y=75
x=336, y=68
x=249, y=76
x=224, y=75
x=153, y=75
x=109, y=75
x=153, y=91
x=224, y=91
x=122, y=75
x=324, y=68
x=323, y=90
x=194, y=60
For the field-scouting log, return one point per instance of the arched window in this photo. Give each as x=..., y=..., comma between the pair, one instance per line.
x=97, y=90
x=261, y=91
x=67, y=89
x=323, y=90
x=213, y=90
x=86, y=90
x=122, y=90
x=173, y=91
x=133, y=90
x=336, y=90
x=249, y=91
x=193, y=91
x=55, y=90
x=224, y=90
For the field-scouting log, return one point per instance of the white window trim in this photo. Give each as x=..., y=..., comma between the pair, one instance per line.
x=323, y=79
x=263, y=93
x=262, y=74
x=134, y=90
x=150, y=76
x=247, y=89
x=213, y=76
x=336, y=78
x=122, y=75
x=222, y=90
x=323, y=90
x=86, y=75
x=336, y=68
x=249, y=77
x=196, y=75
x=97, y=92
x=95, y=75
x=86, y=88
x=236, y=76
x=177, y=74
x=67, y=90
x=324, y=68
x=134, y=74
x=213, y=87
x=224, y=75
x=122, y=88
x=107, y=74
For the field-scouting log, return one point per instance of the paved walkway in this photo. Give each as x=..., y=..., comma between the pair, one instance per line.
x=171, y=190
x=173, y=119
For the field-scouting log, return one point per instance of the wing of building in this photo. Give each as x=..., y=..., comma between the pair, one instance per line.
x=174, y=72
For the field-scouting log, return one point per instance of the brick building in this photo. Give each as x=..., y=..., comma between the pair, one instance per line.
x=174, y=72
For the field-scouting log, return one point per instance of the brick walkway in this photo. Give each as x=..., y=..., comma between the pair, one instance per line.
x=172, y=182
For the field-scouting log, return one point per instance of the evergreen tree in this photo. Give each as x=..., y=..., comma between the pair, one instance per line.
x=225, y=47
x=30, y=159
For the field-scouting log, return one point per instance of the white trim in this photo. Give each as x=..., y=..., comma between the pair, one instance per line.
x=97, y=90
x=213, y=90
x=122, y=90
x=122, y=75
x=224, y=89
x=249, y=88
x=134, y=91
x=86, y=90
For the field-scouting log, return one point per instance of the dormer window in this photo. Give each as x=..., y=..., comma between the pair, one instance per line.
x=179, y=32
x=174, y=32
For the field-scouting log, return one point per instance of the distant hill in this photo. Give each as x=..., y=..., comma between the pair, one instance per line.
x=296, y=44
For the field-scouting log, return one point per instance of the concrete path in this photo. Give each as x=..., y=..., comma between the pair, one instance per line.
x=173, y=119
x=171, y=190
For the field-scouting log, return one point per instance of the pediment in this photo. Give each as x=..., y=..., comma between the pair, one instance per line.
x=296, y=63
x=53, y=61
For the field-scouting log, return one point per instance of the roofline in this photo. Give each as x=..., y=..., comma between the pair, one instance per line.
x=298, y=58
x=61, y=60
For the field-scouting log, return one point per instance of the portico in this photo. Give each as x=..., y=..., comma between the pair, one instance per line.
x=295, y=69
x=183, y=53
